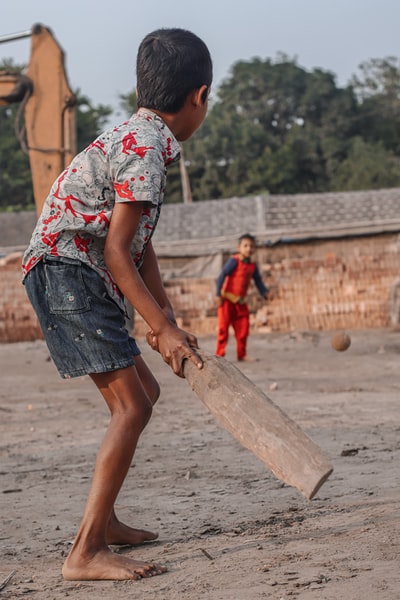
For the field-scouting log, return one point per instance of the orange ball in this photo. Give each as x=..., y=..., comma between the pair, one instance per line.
x=341, y=341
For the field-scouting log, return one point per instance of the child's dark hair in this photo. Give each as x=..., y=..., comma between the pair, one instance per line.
x=247, y=236
x=170, y=64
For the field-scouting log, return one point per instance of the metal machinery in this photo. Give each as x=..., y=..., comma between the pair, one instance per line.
x=48, y=108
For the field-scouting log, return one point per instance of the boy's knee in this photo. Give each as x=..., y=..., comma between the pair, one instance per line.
x=145, y=413
x=141, y=414
x=136, y=416
x=154, y=392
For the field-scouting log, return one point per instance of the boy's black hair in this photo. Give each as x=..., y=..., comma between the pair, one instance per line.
x=247, y=236
x=170, y=64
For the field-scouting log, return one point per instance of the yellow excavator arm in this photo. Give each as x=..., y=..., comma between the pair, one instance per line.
x=49, y=108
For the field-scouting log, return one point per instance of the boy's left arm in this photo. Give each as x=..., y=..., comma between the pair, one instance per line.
x=151, y=275
x=259, y=283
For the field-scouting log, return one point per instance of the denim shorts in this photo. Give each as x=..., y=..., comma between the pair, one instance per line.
x=84, y=328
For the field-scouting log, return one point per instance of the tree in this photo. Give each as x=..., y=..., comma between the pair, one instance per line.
x=377, y=86
x=15, y=176
x=272, y=128
x=367, y=166
x=128, y=103
x=90, y=120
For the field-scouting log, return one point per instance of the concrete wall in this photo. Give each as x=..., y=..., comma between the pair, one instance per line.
x=219, y=222
x=16, y=228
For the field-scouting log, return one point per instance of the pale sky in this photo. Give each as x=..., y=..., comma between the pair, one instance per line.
x=100, y=38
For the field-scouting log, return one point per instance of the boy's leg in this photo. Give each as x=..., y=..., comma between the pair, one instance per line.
x=241, y=327
x=130, y=408
x=117, y=532
x=223, y=327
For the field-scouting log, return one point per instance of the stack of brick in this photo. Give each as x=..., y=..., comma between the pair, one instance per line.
x=321, y=285
x=193, y=302
x=17, y=320
x=327, y=285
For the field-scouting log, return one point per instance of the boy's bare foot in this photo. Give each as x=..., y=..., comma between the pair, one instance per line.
x=119, y=534
x=249, y=359
x=105, y=565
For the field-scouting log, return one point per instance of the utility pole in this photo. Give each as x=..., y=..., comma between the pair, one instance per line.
x=186, y=191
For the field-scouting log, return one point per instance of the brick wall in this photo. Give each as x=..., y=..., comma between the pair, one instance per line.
x=316, y=285
x=331, y=259
x=17, y=320
x=327, y=285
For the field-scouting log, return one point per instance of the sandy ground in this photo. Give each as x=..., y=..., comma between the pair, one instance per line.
x=229, y=530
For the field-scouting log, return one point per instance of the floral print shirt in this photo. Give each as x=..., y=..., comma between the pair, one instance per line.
x=124, y=164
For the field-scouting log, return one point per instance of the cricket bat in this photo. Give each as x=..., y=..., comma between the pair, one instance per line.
x=259, y=424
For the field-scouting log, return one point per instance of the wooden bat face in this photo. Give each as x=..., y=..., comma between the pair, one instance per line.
x=259, y=424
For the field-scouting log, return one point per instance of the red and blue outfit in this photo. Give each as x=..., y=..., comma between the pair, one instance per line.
x=232, y=285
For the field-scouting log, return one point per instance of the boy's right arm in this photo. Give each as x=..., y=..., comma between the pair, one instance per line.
x=227, y=269
x=174, y=344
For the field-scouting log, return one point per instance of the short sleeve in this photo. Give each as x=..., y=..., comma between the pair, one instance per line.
x=139, y=175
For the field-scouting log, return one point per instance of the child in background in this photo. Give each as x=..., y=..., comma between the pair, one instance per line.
x=91, y=248
x=232, y=286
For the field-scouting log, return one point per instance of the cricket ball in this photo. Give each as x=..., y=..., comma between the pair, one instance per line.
x=341, y=341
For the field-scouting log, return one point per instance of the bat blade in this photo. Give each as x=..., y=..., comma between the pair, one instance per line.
x=259, y=424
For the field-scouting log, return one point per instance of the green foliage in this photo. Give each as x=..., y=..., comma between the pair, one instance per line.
x=90, y=120
x=15, y=176
x=367, y=166
x=377, y=87
x=278, y=128
x=128, y=103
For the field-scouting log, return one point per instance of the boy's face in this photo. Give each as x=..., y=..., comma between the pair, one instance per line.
x=194, y=118
x=246, y=248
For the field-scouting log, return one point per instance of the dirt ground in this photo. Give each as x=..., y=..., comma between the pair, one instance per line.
x=228, y=529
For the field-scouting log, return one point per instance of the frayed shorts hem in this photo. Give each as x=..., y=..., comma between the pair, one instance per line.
x=103, y=368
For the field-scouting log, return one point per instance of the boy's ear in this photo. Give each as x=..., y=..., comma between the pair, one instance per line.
x=199, y=96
